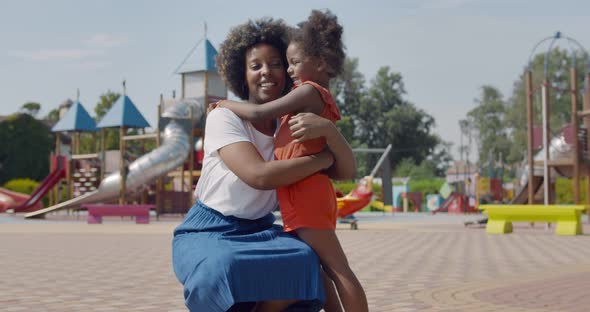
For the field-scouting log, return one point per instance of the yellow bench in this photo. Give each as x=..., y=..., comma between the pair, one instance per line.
x=567, y=217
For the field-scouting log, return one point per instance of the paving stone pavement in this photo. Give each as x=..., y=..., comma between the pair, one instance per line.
x=415, y=266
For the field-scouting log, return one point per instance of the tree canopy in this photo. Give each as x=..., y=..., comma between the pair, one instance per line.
x=25, y=145
x=379, y=115
x=31, y=108
x=486, y=122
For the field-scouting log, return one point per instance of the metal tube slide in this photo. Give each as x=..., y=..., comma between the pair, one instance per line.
x=171, y=154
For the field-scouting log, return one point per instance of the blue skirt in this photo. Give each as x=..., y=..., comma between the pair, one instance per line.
x=227, y=263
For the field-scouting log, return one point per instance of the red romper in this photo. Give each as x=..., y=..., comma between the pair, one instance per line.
x=311, y=202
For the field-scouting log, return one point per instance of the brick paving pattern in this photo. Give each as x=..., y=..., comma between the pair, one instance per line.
x=416, y=266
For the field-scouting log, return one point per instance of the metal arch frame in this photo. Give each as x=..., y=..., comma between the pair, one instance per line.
x=558, y=35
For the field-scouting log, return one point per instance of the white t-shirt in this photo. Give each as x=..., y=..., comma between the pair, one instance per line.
x=218, y=187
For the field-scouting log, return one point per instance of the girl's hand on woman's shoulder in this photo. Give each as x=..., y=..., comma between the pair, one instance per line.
x=306, y=126
x=213, y=106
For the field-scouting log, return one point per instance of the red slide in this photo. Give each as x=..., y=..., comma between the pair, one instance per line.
x=444, y=207
x=49, y=182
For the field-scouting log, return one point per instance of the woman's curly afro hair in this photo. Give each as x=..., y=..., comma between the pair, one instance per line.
x=321, y=36
x=231, y=59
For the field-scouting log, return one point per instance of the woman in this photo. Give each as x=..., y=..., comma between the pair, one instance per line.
x=227, y=253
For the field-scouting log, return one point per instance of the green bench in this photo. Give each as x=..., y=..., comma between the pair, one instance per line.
x=567, y=217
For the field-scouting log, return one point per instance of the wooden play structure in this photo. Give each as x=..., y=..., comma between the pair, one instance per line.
x=63, y=164
x=575, y=162
x=569, y=158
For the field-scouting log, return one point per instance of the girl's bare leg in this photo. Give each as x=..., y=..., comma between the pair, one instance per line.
x=273, y=306
x=332, y=300
x=326, y=245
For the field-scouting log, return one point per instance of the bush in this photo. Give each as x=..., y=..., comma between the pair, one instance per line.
x=344, y=187
x=25, y=186
x=564, y=190
x=426, y=186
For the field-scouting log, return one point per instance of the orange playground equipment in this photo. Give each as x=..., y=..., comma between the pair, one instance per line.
x=357, y=199
x=362, y=194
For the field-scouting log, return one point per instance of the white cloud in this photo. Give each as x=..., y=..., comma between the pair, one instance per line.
x=444, y=4
x=106, y=40
x=57, y=54
x=89, y=65
x=96, y=46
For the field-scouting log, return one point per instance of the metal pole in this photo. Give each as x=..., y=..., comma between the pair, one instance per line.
x=159, y=179
x=123, y=172
x=530, y=154
x=575, y=130
x=103, y=154
x=380, y=161
x=545, y=101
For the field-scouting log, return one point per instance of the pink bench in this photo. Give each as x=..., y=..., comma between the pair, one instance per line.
x=140, y=212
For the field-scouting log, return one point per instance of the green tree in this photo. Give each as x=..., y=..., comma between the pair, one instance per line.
x=349, y=92
x=31, y=108
x=385, y=117
x=89, y=142
x=379, y=116
x=25, y=145
x=384, y=94
x=408, y=168
x=404, y=168
x=441, y=158
x=349, y=88
x=53, y=116
x=105, y=103
x=487, y=121
x=346, y=126
x=409, y=129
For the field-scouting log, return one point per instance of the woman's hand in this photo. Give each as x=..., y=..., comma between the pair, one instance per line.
x=325, y=157
x=306, y=126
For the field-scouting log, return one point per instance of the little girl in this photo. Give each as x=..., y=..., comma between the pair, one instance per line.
x=315, y=55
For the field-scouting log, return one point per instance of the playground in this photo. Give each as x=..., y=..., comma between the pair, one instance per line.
x=95, y=234
x=407, y=262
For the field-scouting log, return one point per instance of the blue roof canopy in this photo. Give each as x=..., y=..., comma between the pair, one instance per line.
x=123, y=113
x=202, y=58
x=75, y=119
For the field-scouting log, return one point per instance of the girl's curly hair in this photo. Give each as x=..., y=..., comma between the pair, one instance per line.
x=321, y=36
x=231, y=59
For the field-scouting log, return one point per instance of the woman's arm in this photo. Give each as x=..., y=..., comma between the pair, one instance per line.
x=243, y=159
x=303, y=99
x=305, y=126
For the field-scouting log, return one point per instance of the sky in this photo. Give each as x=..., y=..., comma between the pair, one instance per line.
x=445, y=50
